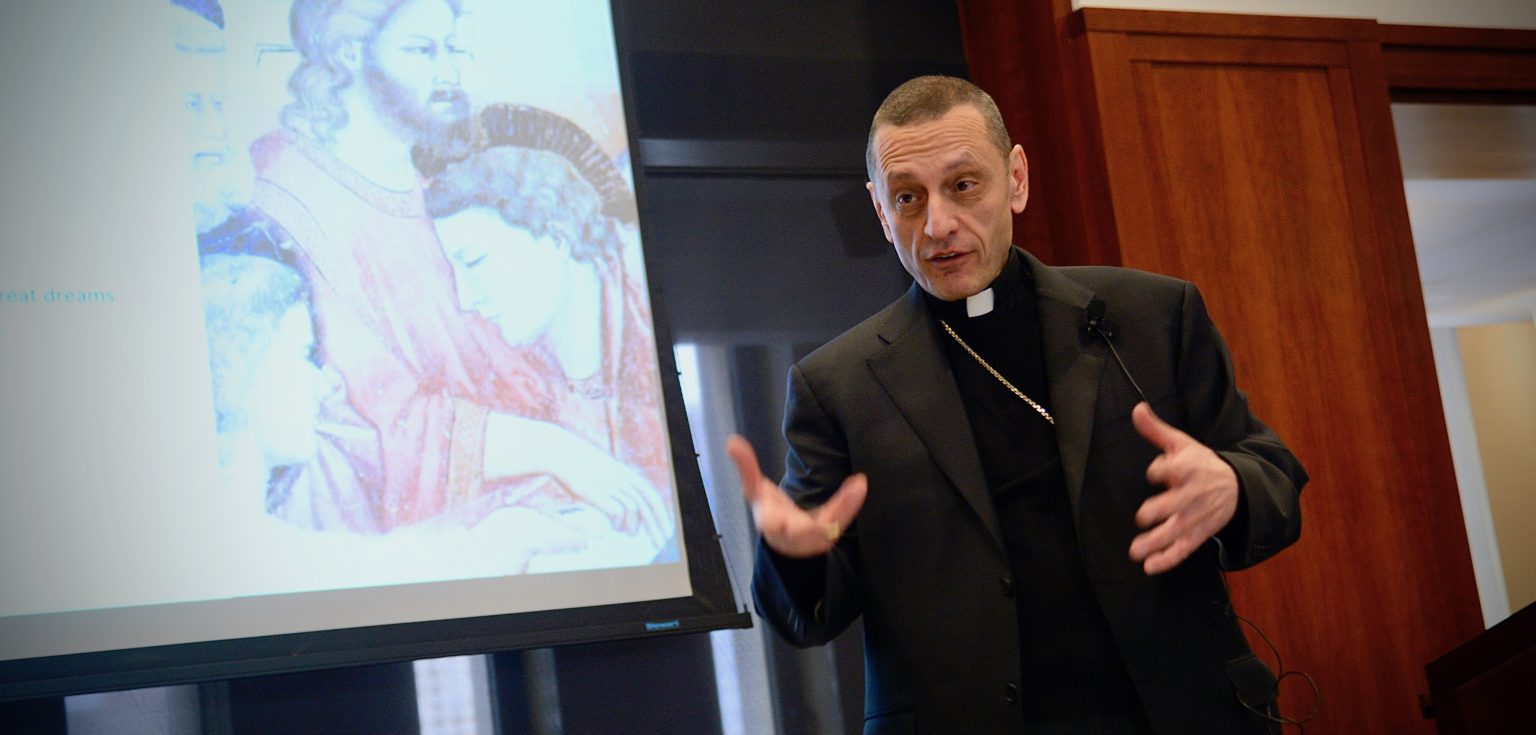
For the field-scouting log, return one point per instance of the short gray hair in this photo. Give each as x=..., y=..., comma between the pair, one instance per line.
x=928, y=98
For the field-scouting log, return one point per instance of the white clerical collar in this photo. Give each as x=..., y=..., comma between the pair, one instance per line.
x=979, y=304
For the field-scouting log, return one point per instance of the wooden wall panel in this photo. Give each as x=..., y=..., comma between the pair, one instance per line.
x=1019, y=53
x=1255, y=156
x=1245, y=154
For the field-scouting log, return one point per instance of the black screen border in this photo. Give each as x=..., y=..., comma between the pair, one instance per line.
x=714, y=604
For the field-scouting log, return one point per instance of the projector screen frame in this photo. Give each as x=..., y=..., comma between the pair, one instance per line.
x=713, y=605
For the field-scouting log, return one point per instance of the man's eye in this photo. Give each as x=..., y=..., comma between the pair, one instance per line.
x=904, y=199
x=470, y=261
x=965, y=185
x=422, y=50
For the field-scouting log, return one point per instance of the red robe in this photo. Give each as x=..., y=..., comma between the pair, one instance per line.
x=420, y=372
x=424, y=374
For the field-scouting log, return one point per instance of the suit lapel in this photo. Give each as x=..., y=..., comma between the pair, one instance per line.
x=916, y=375
x=1073, y=365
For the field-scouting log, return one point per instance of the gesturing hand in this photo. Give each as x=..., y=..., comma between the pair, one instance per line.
x=787, y=528
x=1200, y=499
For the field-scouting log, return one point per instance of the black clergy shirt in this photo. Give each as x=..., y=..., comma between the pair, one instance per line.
x=1072, y=667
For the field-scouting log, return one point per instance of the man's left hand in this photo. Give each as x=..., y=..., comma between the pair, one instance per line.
x=1201, y=496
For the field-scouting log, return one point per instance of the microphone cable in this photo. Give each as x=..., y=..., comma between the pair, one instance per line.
x=1104, y=329
x=1271, y=711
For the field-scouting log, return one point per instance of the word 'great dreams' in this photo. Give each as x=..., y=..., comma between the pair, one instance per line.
x=56, y=296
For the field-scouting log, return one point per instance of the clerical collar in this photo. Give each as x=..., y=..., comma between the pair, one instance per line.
x=979, y=304
x=998, y=297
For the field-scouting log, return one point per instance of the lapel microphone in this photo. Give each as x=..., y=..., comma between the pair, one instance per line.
x=1097, y=324
x=1103, y=328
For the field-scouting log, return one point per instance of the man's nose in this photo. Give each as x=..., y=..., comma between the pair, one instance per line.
x=941, y=222
x=207, y=121
x=213, y=118
x=445, y=68
x=207, y=126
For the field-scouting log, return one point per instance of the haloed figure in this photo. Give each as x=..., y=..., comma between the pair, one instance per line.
x=527, y=262
x=527, y=284
x=375, y=78
x=267, y=388
x=534, y=255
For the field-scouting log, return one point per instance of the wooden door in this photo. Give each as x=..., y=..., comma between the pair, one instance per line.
x=1255, y=157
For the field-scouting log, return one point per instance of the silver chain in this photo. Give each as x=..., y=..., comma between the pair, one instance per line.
x=1038, y=408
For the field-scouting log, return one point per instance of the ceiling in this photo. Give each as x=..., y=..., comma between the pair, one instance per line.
x=1470, y=177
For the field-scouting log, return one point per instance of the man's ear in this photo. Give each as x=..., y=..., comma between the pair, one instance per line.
x=1018, y=179
x=874, y=198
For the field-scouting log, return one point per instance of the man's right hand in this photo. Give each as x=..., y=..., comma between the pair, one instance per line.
x=786, y=527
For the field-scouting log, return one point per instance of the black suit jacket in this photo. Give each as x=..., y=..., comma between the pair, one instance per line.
x=924, y=562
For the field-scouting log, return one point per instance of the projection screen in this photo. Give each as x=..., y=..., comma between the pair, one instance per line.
x=327, y=339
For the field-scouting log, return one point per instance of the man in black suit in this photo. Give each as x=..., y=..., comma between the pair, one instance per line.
x=1033, y=530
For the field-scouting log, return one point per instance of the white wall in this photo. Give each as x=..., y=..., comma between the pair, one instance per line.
x=1476, y=510
x=1479, y=13
x=1499, y=361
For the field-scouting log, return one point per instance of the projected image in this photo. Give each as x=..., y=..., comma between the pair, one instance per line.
x=423, y=282
x=269, y=399
x=374, y=345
